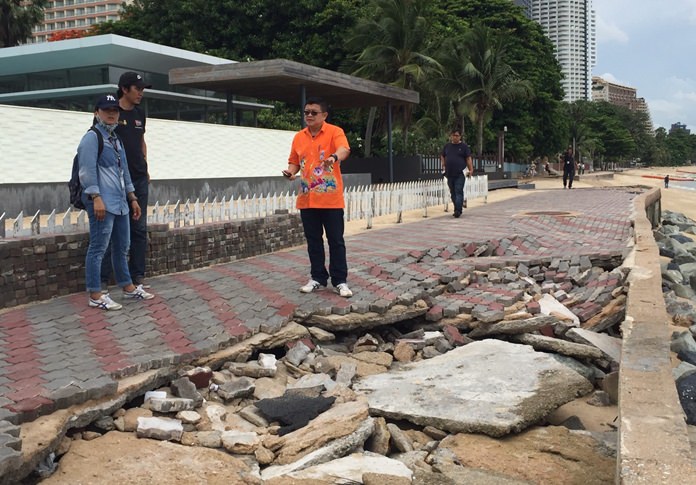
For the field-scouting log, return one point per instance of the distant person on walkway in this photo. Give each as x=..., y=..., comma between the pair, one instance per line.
x=667, y=181
x=316, y=154
x=131, y=130
x=109, y=198
x=455, y=157
x=569, y=166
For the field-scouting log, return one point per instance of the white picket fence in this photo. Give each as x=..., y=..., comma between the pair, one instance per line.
x=362, y=203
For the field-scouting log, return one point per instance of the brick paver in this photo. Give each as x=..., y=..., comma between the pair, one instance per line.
x=57, y=353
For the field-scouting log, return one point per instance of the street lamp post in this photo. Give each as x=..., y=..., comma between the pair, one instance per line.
x=501, y=149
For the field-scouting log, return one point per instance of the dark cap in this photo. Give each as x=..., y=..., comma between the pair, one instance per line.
x=106, y=101
x=131, y=78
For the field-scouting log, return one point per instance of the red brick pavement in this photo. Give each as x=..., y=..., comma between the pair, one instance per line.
x=50, y=349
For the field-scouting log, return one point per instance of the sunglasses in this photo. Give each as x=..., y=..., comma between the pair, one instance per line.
x=313, y=113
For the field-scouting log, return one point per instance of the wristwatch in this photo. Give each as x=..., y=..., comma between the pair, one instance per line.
x=93, y=196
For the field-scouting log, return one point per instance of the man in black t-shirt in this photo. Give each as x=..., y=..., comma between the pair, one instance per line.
x=568, y=168
x=455, y=157
x=131, y=131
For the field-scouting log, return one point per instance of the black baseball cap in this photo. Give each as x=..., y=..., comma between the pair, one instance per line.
x=131, y=78
x=106, y=101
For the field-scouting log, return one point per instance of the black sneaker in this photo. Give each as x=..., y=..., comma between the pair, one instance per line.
x=457, y=214
x=141, y=282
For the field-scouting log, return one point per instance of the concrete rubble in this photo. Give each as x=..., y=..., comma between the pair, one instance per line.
x=396, y=397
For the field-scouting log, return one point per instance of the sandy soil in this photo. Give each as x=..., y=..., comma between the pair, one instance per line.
x=119, y=458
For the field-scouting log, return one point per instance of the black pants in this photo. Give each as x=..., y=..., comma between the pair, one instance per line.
x=568, y=175
x=315, y=222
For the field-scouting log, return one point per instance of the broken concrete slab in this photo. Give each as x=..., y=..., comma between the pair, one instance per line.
x=563, y=347
x=611, y=346
x=508, y=327
x=522, y=386
x=339, y=421
x=549, y=305
x=165, y=429
x=349, y=469
x=352, y=321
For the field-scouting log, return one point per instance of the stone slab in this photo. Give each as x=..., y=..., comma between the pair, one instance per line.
x=521, y=387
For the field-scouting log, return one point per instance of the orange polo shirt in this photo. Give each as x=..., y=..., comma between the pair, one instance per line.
x=320, y=188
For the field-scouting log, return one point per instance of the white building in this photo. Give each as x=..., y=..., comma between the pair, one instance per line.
x=570, y=24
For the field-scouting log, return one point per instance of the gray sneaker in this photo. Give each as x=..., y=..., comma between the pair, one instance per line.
x=105, y=303
x=138, y=294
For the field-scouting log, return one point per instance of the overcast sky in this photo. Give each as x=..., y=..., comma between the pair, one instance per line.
x=651, y=45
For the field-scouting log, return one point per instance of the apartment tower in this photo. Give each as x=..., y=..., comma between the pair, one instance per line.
x=570, y=25
x=61, y=15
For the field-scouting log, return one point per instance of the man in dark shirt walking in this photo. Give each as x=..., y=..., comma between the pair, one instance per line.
x=569, y=166
x=455, y=157
x=131, y=131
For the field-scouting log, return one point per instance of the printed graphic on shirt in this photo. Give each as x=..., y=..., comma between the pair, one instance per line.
x=319, y=179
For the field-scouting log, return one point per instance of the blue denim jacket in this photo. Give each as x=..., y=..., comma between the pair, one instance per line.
x=108, y=177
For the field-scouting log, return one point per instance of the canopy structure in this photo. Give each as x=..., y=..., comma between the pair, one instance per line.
x=292, y=82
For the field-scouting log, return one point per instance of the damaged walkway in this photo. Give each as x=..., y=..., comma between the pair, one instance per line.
x=59, y=353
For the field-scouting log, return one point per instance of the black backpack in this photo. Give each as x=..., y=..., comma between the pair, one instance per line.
x=74, y=185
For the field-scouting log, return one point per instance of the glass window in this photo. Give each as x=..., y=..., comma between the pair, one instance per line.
x=48, y=80
x=13, y=84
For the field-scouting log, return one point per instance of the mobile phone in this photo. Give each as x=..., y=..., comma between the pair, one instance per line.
x=286, y=174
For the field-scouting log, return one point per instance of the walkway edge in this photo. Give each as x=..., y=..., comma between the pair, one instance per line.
x=653, y=437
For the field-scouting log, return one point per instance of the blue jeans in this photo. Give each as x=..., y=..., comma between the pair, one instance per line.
x=315, y=222
x=456, y=188
x=138, y=238
x=114, y=230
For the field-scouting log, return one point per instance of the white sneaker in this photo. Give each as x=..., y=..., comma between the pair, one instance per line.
x=105, y=303
x=343, y=290
x=310, y=286
x=138, y=294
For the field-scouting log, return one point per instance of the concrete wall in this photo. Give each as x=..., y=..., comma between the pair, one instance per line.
x=654, y=444
x=187, y=160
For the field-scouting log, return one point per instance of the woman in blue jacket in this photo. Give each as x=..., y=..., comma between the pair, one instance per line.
x=108, y=193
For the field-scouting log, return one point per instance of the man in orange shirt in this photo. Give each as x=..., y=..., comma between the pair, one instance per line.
x=316, y=154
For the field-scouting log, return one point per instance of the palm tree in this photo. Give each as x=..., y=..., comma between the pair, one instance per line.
x=17, y=18
x=454, y=83
x=393, y=48
x=491, y=80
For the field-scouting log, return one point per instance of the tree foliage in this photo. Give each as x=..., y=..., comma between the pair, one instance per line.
x=491, y=80
x=309, y=31
x=18, y=18
x=425, y=45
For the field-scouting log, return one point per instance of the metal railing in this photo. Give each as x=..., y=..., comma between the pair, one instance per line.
x=362, y=203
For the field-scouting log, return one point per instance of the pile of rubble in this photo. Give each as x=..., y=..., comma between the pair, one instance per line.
x=679, y=286
x=367, y=397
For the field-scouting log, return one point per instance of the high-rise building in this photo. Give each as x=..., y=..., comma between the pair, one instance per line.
x=61, y=15
x=526, y=6
x=570, y=25
x=626, y=96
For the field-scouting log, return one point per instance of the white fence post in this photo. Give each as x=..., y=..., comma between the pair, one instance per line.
x=362, y=202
